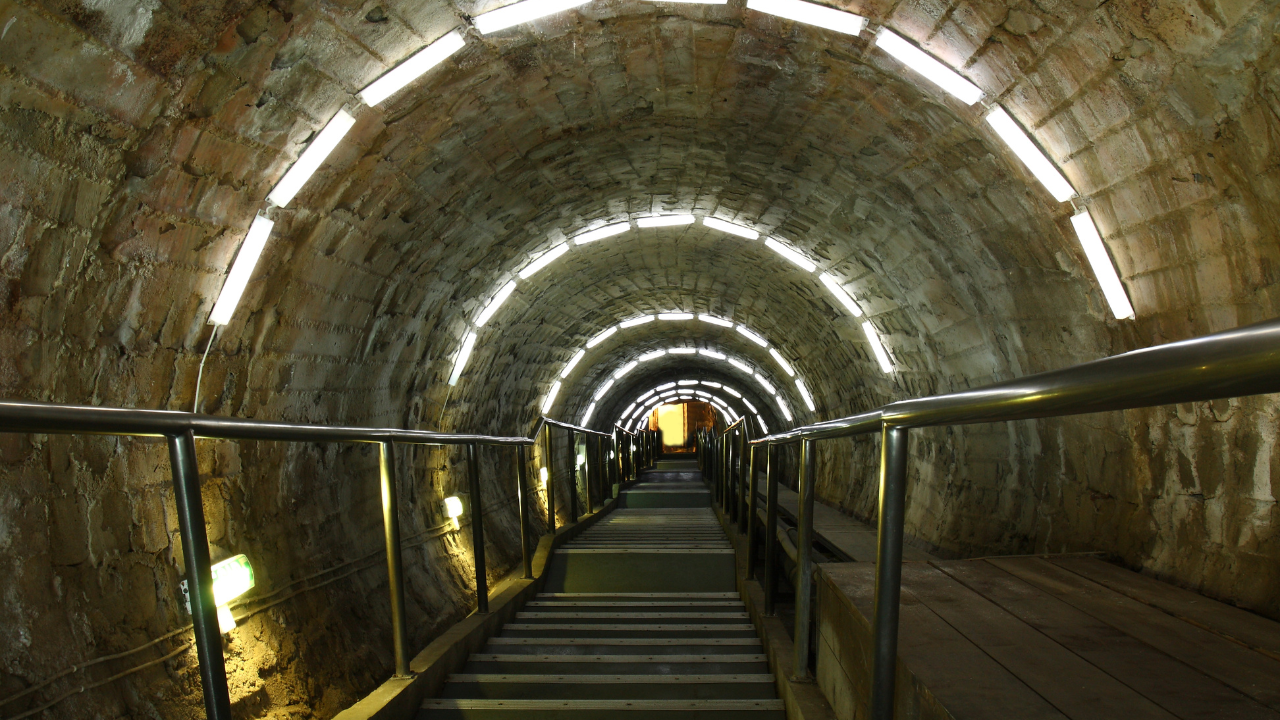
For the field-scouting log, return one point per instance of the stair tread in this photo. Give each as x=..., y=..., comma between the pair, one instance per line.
x=727, y=615
x=624, y=626
x=674, y=595
x=638, y=604
x=481, y=704
x=621, y=641
x=635, y=659
x=588, y=679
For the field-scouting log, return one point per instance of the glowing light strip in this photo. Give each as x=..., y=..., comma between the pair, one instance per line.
x=928, y=66
x=312, y=158
x=877, y=348
x=241, y=270
x=412, y=69
x=464, y=353
x=522, y=12
x=1039, y=165
x=1103, y=269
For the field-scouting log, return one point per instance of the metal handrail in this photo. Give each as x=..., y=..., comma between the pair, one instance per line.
x=180, y=430
x=1235, y=363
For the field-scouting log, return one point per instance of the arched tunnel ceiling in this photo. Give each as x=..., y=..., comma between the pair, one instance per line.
x=630, y=108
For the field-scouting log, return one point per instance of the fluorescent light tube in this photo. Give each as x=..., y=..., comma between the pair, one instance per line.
x=602, y=336
x=626, y=412
x=711, y=354
x=731, y=391
x=603, y=389
x=675, y=316
x=1036, y=162
x=786, y=411
x=791, y=254
x=464, y=353
x=586, y=417
x=928, y=66
x=811, y=14
x=764, y=383
x=845, y=299
x=728, y=227
x=653, y=355
x=702, y=393
x=241, y=270
x=312, y=158
x=522, y=12
x=682, y=351
x=625, y=369
x=1103, y=269
x=544, y=260
x=496, y=303
x=740, y=365
x=667, y=386
x=752, y=336
x=873, y=337
x=637, y=321
x=412, y=69
x=551, y=397
x=577, y=357
x=715, y=320
x=804, y=393
x=646, y=396
x=708, y=383
x=785, y=365
x=747, y=402
x=601, y=233
x=763, y=427
x=665, y=221
x=687, y=382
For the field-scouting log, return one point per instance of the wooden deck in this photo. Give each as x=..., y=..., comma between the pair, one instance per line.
x=1048, y=637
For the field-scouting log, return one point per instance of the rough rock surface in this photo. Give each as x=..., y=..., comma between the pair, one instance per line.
x=138, y=139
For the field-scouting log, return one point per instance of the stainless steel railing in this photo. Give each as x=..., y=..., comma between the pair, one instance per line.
x=1235, y=363
x=180, y=430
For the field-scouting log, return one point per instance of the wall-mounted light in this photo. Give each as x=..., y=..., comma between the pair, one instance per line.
x=544, y=260
x=782, y=404
x=241, y=270
x=877, y=347
x=728, y=227
x=232, y=578
x=1020, y=143
x=714, y=320
x=791, y=254
x=682, y=351
x=811, y=14
x=577, y=357
x=522, y=12
x=551, y=397
x=601, y=233
x=711, y=354
x=764, y=383
x=1103, y=269
x=665, y=221
x=782, y=362
x=496, y=303
x=925, y=64
x=763, y=427
x=311, y=159
x=833, y=286
x=744, y=332
x=602, y=336
x=625, y=369
x=652, y=356
x=464, y=353
x=636, y=321
x=453, y=507
x=411, y=69
x=675, y=316
x=804, y=393
x=542, y=478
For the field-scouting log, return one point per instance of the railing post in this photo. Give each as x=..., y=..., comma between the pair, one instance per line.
x=477, y=529
x=743, y=480
x=804, y=559
x=753, y=483
x=522, y=496
x=724, y=474
x=195, y=549
x=893, y=493
x=551, y=487
x=395, y=565
x=771, y=530
x=573, y=476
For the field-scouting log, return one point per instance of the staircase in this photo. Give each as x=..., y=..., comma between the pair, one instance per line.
x=639, y=620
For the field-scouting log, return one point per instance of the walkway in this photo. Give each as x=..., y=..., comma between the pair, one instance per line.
x=639, y=618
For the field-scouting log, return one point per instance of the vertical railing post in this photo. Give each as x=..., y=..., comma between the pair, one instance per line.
x=477, y=529
x=804, y=558
x=395, y=566
x=551, y=485
x=573, y=476
x=725, y=446
x=888, y=592
x=771, y=530
x=195, y=550
x=753, y=483
x=522, y=496
x=744, y=461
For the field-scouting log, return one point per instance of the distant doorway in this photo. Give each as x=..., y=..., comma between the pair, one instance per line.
x=679, y=424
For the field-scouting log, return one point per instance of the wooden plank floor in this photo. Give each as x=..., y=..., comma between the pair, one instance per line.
x=852, y=538
x=1052, y=637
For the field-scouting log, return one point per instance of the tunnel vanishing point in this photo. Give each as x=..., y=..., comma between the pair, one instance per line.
x=834, y=359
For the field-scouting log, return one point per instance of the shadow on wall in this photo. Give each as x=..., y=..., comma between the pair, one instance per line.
x=104, y=564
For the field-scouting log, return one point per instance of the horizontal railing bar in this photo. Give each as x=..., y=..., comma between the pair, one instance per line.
x=1235, y=363
x=38, y=417
x=544, y=421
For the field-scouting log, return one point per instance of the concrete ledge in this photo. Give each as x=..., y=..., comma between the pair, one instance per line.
x=803, y=700
x=400, y=697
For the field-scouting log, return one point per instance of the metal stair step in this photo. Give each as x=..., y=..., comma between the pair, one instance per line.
x=610, y=687
x=618, y=664
x=610, y=646
x=474, y=709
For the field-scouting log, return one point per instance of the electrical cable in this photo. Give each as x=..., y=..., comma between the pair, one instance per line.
x=195, y=402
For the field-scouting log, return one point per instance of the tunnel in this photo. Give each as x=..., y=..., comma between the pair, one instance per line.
x=537, y=223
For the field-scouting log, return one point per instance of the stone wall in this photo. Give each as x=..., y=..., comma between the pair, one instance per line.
x=138, y=140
